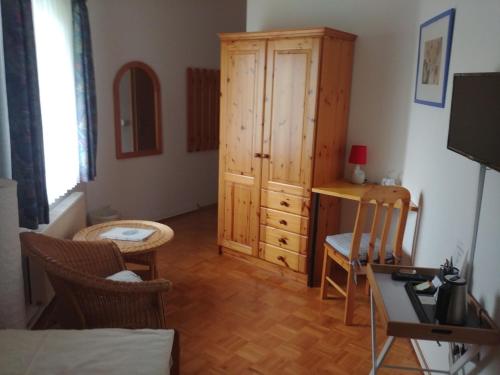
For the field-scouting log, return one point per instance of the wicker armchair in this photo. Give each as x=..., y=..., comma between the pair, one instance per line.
x=77, y=271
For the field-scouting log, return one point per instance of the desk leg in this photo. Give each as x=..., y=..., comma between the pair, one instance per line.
x=377, y=361
x=374, y=334
x=312, y=238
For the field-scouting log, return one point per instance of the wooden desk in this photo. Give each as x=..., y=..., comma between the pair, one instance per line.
x=348, y=190
x=140, y=252
x=399, y=319
x=340, y=189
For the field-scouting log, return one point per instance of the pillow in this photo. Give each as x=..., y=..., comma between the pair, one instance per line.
x=126, y=276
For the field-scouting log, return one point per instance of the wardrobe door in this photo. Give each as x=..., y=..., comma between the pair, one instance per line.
x=290, y=114
x=242, y=94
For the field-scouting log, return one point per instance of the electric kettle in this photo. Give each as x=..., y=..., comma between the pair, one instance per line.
x=451, y=306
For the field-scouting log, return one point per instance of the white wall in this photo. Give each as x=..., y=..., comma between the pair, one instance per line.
x=12, y=306
x=448, y=181
x=168, y=35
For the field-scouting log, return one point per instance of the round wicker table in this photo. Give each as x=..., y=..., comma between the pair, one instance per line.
x=139, y=252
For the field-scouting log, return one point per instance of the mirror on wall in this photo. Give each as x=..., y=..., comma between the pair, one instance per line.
x=137, y=111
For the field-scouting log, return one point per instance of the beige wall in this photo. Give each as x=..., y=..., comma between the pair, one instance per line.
x=169, y=35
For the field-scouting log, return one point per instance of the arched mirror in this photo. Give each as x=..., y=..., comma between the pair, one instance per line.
x=136, y=92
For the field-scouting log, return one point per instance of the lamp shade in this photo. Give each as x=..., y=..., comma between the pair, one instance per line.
x=358, y=154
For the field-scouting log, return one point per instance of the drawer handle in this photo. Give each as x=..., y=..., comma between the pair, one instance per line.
x=282, y=259
x=283, y=240
x=285, y=203
x=283, y=222
x=265, y=156
x=442, y=331
x=258, y=155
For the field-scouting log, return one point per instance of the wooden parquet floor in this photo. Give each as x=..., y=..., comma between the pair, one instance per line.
x=235, y=318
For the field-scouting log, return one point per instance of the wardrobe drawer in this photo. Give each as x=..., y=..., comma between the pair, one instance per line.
x=282, y=257
x=285, y=202
x=282, y=220
x=283, y=239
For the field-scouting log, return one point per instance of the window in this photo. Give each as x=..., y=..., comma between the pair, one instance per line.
x=52, y=21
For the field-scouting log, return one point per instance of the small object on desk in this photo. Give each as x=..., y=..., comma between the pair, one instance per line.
x=448, y=269
x=426, y=300
x=391, y=179
x=451, y=305
x=424, y=305
x=404, y=275
x=388, y=181
x=127, y=234
x=358, y=157
x=436, y=281
x=425, y=287
x=408, y=271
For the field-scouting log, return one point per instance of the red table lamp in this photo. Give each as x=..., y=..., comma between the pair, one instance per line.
x=358, y=157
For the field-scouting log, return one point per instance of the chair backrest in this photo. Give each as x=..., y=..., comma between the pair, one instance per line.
x=68, y=258
x=384, y=199
x=73, y=268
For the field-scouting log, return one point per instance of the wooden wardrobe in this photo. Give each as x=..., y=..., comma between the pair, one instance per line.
x=283, y=118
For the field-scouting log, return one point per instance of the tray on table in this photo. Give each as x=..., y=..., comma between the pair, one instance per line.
x=400, y=319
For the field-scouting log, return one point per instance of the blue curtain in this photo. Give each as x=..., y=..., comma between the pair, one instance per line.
x=25, y=120
x=86, y=106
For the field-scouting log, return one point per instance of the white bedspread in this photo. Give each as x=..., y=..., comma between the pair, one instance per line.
x=96, y=351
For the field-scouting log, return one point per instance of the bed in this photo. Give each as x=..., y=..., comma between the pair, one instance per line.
x=93, y=351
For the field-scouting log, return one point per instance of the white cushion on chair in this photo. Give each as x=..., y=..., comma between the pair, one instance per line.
x=125, y=276
x=342, y=243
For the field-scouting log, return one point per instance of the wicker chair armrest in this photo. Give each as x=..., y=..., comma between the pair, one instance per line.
x=86, y=280
x=108, y=303
x=149, y=286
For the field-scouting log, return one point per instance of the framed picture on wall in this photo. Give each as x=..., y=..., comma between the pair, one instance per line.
x=433, y=62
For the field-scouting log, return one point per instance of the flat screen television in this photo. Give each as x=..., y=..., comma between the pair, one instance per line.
x=475, y=117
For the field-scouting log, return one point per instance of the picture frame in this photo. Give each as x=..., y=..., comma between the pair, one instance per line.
x=434, y=50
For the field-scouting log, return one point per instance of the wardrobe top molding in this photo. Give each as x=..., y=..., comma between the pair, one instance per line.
x=291, y=33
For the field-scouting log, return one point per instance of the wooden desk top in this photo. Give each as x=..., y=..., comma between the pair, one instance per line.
x=347, y=190
x=162, y=234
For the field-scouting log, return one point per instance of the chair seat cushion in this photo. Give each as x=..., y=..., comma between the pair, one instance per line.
x=126, y=276
x=342, y=243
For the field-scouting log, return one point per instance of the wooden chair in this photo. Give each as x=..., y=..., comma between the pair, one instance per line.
x=77, y=271
x=352, y=251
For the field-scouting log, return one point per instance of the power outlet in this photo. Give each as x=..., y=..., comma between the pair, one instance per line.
x=476, y=359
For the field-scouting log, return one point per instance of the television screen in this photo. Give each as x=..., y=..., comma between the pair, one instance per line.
x=475, y=117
